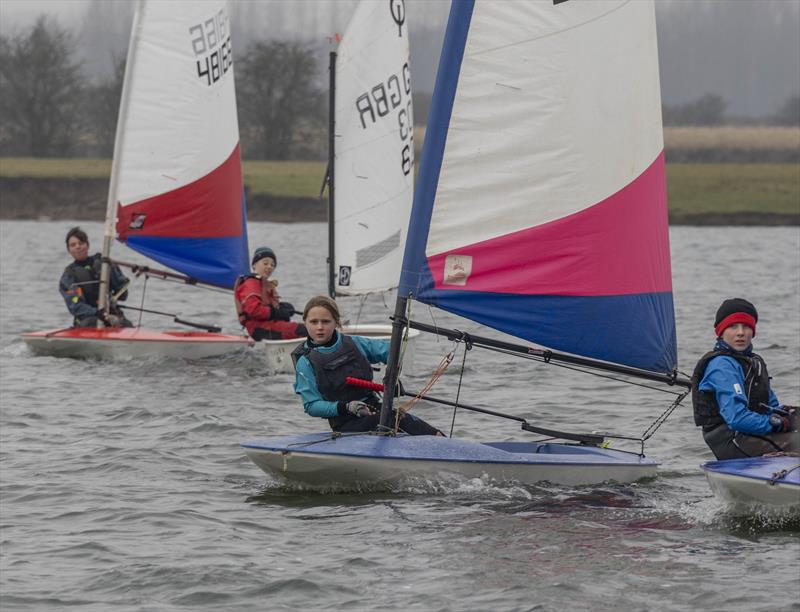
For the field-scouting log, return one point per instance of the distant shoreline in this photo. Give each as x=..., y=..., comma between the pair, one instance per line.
x=84, y=199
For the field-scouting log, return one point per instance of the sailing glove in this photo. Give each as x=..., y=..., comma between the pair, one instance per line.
x=102, y=315
x=358, y=409
x=780, y=423
x=283, y=312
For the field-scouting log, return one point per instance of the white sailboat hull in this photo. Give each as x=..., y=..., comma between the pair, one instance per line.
x=371, y=461
x=770, y=481
x=278, y=353
x=122, y=343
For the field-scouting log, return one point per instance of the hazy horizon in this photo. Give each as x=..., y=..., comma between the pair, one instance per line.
x=747, y=51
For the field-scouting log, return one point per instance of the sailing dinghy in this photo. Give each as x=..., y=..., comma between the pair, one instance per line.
x=540, y=211
x=370, y=165
x=176, y=189
x=766, y=481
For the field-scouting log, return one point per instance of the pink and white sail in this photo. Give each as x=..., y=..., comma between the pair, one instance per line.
x=541, y=204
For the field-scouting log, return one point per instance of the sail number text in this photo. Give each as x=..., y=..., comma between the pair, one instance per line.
x=211, y=43
x=391, y=96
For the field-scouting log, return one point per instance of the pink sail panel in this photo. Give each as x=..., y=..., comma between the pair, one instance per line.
x=210, y=207
x=619, y=246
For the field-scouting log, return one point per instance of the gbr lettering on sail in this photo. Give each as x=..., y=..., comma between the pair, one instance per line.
x=390, y=100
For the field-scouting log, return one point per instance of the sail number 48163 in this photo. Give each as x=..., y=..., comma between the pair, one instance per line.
x=211, y=43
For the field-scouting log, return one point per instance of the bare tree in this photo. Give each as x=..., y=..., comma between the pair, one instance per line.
x=41, y=91
x=707, y=110
x=789, y=112
x=103, y=109
x=277, y=99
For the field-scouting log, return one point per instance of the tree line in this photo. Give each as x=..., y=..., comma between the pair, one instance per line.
x=50, y=108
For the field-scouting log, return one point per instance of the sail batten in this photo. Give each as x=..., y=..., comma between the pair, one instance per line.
x=541, y=205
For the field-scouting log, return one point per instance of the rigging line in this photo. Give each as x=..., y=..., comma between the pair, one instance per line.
x=405, y=340
x=648, y=433
x=437, y=373
x=334, y=435
x=124, y=288
x=782, y=474
x=577, y=369
x=141, y=305
x=467, y=347
x=362, y=300
x=180, y=282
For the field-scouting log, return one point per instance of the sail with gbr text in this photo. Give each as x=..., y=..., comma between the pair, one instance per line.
x=373, y=149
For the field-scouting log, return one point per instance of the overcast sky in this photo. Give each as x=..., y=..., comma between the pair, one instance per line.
x=747, y=51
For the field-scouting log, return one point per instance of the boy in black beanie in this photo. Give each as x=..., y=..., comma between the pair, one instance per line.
x=731, y=394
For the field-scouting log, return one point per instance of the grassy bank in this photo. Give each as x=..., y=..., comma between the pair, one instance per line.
x=733, y=189
x=694, y=189
x=291, y=179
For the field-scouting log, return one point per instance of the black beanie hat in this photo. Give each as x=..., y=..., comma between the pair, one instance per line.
x=735, y=310
x=261, y=253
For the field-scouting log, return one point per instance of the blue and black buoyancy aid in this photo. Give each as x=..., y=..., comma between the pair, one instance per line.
x=756, y=387
x=332, y=369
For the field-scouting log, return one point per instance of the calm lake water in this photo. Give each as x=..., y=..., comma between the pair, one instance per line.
x=123, y=485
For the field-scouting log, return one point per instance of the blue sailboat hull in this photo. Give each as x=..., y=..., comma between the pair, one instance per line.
x=368, y=460
x=763, y=480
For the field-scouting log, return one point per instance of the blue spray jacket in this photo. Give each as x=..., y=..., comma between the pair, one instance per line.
x=725, y=378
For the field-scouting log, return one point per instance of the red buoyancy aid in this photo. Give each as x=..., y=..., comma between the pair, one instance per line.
x=265, y=291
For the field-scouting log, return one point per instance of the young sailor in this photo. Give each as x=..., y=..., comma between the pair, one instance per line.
x=731, y=393
x=80, y=285
x=258, y=304
x=323, y=363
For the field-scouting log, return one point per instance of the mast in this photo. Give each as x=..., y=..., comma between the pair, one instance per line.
x=392, y=366
x=331, y=155
x=111, y=204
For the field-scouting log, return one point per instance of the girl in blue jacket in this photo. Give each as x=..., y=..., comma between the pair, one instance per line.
x=324, y=362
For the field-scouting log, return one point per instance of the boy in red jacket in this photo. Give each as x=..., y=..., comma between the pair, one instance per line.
x=258, y=304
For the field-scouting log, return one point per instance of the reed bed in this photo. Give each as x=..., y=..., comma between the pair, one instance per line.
x=732, y=137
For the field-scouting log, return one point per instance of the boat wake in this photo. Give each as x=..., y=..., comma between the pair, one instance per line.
x=543, y=496
x=741, y=518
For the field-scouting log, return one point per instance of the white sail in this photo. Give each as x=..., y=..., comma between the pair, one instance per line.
x=374, y=149
x=181, y=98
x=176, y=184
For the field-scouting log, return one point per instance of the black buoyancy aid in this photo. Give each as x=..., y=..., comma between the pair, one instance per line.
x=332, y=369
x=756, y=387
x=86, y=275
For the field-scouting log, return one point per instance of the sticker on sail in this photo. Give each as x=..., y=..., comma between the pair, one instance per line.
x=137, y=222
x=344, y=276
x=457, y=269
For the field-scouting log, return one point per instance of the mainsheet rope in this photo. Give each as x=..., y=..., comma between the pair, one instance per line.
x=448, y=359
x=437, y=373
